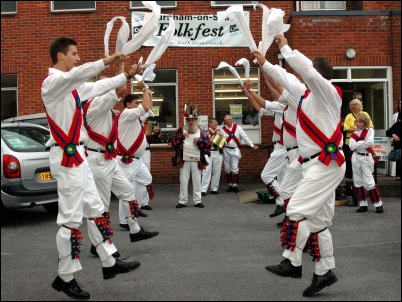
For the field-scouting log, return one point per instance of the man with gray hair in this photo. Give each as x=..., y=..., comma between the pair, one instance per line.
x=191, y=144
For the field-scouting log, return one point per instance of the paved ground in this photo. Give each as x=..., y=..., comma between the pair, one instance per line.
x=211, y=254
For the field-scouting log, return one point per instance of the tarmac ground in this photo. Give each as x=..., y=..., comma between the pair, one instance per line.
x=216, y=253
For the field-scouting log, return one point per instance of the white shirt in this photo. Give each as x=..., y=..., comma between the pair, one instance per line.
x=57, y=93
x=274, y=109
x=130, y=128
x=290, y=116
x=240, y=134
x=99, y=117
x=322, y=105
x=361, y=146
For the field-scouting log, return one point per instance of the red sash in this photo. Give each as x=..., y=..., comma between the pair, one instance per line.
x=68, y=142
x=106, y=142
x=288, y=126
x=330, y=150
x=362, y=137
x=231, y=134
x=127, y=155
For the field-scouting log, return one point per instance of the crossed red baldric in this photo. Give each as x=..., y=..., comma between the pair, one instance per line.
x=231, y=134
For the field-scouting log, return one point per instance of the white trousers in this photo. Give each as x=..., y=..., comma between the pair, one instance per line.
x=185, y=171
x=78, y=198
x=146, y=159
x=275, y=169
x=139, y=177
x=363, y=171
x=314, y=199
x=212, y=173
x=293, y=175
x=231, y=159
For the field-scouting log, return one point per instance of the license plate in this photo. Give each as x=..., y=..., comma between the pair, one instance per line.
x=46, y=176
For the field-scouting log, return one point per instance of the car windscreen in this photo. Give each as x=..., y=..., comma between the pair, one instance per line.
x=25, y=139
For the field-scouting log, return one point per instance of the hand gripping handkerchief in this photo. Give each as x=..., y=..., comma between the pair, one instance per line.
x=275, y=22
x=232, y=69
x=246, y=64
x=162, y=44
x=122, y=36
x=235, y=13
x=147, y=75
x=266, y=38
x=149, y=27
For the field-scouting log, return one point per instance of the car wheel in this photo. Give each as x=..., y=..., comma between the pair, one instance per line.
x=52, y=208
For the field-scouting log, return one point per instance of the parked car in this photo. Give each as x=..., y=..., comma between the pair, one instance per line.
x=26, y=180
x=36, y=118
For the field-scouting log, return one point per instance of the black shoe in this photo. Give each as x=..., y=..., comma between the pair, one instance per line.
x=199, y=205
x=285, y=269
x=203, y=193
x=124, y=226
x=95, y=253
x=278, y=211
x=142, y=214
x=379, y=209
x=319, y=282
x=147, y=207
x=180, y=205
x=279, y=224
x=142, y=235
x=230, y=189
x=71, y=289
x=214, y=192
x=362, y=209
x=236, y=189
x=119, y=267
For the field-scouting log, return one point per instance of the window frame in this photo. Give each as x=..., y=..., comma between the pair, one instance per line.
x=10, y=12
x=321, y=9
x=213, y=3
x=53, y=10
x=12, y=89
x=157, y=2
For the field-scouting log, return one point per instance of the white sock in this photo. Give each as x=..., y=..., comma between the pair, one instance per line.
x=109, y=262
x=66, y=277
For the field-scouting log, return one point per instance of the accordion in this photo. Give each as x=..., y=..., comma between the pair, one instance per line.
x=218, y=140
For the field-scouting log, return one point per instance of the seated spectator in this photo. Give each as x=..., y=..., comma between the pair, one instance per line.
x=251, y=118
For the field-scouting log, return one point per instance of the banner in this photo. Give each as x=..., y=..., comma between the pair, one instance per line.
x=382, y=147
x=194, y=31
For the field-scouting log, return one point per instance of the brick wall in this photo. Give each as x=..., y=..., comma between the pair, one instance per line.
x=26, y=37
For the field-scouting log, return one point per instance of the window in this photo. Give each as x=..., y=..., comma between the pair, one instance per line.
x=323, y=5
x=374, y=86
x=62, y=6
x=164, y=88
x=8, y=7
x=9, y=90
x=229, y=98
x=162, y=4
x=228, y=3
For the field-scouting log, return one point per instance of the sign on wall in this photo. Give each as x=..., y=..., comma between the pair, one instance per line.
x=382, y=147
x=195, y=31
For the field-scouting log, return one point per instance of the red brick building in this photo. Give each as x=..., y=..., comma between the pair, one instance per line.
x=189, y=75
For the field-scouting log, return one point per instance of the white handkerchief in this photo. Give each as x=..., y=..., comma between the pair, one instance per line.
x=122, y=36
x=235, y=13
x=149, y=27
x=232, y=69
x=162, y=44
x=275, y=22
x=148, y=74
x=246, y=64
x=266, y=38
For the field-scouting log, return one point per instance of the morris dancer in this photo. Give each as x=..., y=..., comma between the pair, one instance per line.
x=363, y=159
x=233, y=134
x=62, y=91
x=131, y=143
x=311, y=208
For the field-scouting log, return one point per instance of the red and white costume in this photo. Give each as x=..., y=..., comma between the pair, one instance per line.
x=78, y=197
x=102, y=128
x=131, y=145
x=277, y=164
x=311, y=208
x=231, y=151
x=362, y=143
